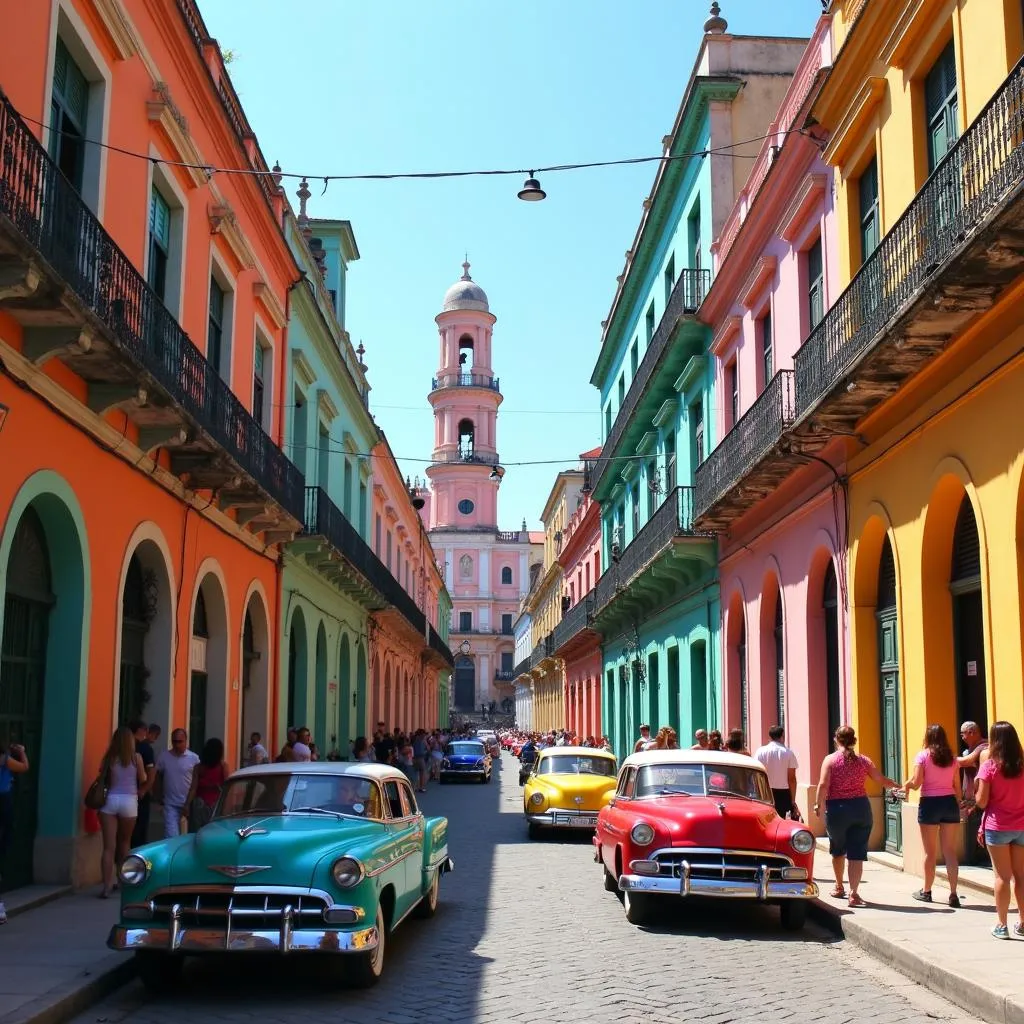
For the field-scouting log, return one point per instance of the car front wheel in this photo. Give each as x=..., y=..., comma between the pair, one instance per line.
x=365, y=969
x=159, y=972
x=611, y=883
x=640, y=907
x=793, y=915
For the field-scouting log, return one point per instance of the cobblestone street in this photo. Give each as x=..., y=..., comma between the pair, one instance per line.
x=526, y=933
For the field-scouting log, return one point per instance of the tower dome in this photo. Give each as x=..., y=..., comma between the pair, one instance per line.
x=465, y=294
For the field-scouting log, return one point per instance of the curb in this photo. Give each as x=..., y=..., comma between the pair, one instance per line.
x=64, y=1002
x=960, y=989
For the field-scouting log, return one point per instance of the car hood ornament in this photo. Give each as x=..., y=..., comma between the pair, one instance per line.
x=239, y=870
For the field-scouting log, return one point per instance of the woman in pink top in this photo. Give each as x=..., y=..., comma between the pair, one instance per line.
x=1000, y=794
x=843, y=798
x=937, y=775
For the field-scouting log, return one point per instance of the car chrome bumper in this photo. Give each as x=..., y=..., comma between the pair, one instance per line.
x=762, y=889
x=463, y=773
x=559, y=817
x=238, y=940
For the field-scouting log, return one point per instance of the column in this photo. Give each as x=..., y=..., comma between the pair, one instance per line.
x=449, y=579
x=484, y=680
x=484, y=579
x=524, y=574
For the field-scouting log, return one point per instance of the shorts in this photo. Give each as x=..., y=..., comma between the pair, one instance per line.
x=1011, y=837
x=848, y=824
x=938, y=810
x=121, y=805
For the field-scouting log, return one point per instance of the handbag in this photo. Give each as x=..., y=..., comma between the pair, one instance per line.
x=96, y=794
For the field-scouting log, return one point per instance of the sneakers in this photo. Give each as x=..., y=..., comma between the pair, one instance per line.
x=1000, y=932
x=1018, y=929
x=3, y=913
x=922, y=896
x=954, y=901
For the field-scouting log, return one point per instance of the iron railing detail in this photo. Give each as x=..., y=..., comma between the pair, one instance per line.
x=465, y=380
x=574, y=621
x=48, y=212
x=324, y=519
x=503, y=675
x=507, y=536
x=474, y=456
x=760, y=427
x=674, y=518
x=540, y=651
x=970, y=182
x=686, y=297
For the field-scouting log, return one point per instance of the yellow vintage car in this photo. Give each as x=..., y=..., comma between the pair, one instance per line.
x=566, y=788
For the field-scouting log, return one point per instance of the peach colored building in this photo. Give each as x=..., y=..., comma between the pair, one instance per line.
x=781, y=531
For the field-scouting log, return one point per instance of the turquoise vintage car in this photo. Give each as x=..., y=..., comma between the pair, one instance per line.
x=324, y=857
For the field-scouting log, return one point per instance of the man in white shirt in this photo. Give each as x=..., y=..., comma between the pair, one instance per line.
x=175, y=767
x=645, y=739
x=781, y=764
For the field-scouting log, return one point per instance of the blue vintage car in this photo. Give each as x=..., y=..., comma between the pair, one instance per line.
x=322, y=857
x=466, y=759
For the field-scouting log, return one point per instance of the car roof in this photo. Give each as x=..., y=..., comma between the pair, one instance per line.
x=359, y=769
x=574, y=751
x=645, y=757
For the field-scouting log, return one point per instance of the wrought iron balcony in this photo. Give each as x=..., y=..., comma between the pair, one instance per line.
x=541, y=651
x=352, y=566
x=685, y=300
x=946, y=259
x=478, y=457
x=628, y=584
x=523, y=668
x=504, y=675
x=82, y=301
x=737, y=473
x=574, y=623
x=465, y=380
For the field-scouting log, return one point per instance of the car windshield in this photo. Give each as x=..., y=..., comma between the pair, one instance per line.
x=703, y=780
x=466, y=748
x=280, y=793
x=574, y=764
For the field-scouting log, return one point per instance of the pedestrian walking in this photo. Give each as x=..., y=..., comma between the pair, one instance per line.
x=781, y=764
x=1000, y=795
x=140, y=834
x=645, y=741
x=208, y=778
x=13, y=761
x=843, y=800
x=125, y=773
x=937, y=776
x=174, y=769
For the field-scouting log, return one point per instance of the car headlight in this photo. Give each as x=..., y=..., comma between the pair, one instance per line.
x=347, y=872
x=446, y=763
x=802, y=841
x=537, y=799
x=134, y=870
x=642, y=834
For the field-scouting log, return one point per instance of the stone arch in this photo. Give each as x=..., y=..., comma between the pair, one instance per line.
x=47, y=852
x=154, y=642
x=206, y=708
x=824, y=671
x=254, y=707
x=320, y=727
x=772, y=648
x=735, y=658
x=296, y=699
x=953, y=485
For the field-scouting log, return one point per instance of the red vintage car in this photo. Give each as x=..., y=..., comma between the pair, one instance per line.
x=701, y=823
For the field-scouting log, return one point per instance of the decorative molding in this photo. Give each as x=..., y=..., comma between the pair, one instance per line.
x=223, y=222
x=666, y=412
x=378, y=490
x=647, y=443
x=752, y=288
x=693, y=369
x=365, y=469
x=917, y=19
x=264, y=295
x=390, y=514
x=810, y=191
x=304, y=372
x=119, y=27
x=857, y=113
x=630, y=470
x=721, y=339
x=161, y=109
x=328, y=410
x=348, y=442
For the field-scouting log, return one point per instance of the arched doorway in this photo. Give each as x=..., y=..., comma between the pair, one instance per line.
x=23, y=670
x=298, y=668
x=698, y=686
x=889, y=689
x=320, y=727
x=346, y=693
x=830, y=612
x=968, y=619
x=207, y=698
x=465, y=684
x=358, y=726
x=386, y=714
x=255, y=664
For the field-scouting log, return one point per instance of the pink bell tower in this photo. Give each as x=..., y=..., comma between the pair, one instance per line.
x=465, y=473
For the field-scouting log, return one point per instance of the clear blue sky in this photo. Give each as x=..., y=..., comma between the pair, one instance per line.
x=338, y=86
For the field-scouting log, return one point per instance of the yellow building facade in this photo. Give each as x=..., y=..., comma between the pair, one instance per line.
x=921, y=122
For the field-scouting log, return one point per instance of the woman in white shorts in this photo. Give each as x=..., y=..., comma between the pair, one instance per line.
x=124, y=772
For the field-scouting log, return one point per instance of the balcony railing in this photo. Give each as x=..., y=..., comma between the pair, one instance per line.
x=971, y=181
x=760, y=427
x=474, y=456
x=507, y=537
x=541, y=651
x=324, y=519
x=504, y=675
x=574, y=621
x=522, y=668
x=46, y=209
x=465, y=380
x=686, y=297
x=673, y=519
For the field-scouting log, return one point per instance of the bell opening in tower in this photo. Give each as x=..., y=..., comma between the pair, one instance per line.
x=465, y=354
x=466, y=447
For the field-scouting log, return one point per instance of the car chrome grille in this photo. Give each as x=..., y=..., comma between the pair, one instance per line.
x=252, y=909
x=728, y=865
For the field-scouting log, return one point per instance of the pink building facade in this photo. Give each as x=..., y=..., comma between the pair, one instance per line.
x=578, y=645
x=486, y=569
x=782, y=541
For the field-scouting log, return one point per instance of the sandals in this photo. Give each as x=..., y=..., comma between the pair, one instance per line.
x=856, y=901
x=838, y=893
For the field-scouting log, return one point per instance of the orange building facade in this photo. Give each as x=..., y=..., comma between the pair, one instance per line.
x=143, y=312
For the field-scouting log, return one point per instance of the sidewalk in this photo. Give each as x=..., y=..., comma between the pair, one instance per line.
x=53, y=956
x=948, y=951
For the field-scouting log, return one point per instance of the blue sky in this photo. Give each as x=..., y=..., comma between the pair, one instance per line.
x=336, y=86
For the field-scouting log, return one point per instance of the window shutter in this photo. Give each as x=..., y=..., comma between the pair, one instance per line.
x=160, y=220
x=70, y=84
x=966, y=561
x=886, y=578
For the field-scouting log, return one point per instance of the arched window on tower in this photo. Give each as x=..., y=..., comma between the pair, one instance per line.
x=466, y=444
x=465, y=354
x=506, y=574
